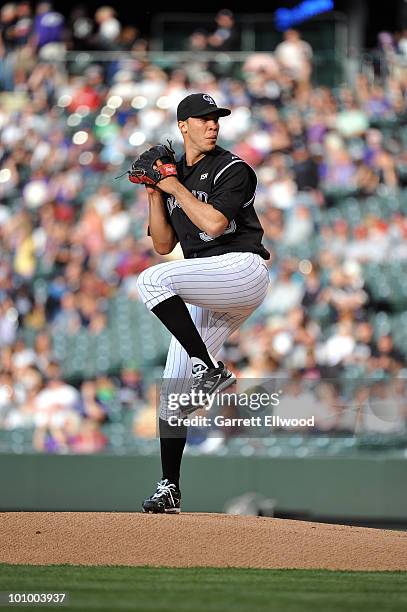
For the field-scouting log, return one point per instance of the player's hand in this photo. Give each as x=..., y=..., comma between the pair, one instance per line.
x=166, y=184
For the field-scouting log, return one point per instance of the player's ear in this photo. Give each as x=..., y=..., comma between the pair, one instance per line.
x=183, y=127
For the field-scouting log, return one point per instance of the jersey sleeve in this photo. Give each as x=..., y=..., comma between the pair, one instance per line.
x=234, y=187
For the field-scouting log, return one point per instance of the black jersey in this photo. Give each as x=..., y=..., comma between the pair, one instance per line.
x=229, y=184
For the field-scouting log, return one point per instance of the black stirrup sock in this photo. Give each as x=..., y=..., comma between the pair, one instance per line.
x=176, y=318
x=172, y=441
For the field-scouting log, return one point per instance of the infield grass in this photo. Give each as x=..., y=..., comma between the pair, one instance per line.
x=210, y=589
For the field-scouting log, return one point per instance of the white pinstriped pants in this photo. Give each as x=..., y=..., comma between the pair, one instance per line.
x=221, y=292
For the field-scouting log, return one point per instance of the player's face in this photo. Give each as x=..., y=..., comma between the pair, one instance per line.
x=201, y=132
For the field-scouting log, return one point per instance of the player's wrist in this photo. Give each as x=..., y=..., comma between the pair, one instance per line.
x=170, y=185
x=175, y=186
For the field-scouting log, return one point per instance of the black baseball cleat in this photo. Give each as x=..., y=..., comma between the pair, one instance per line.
x=166, y=499
x=207, y=382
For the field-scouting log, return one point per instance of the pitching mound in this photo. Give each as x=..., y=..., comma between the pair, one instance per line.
x=192, y=540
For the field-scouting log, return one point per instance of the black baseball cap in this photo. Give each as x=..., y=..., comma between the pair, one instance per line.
x=198, y=105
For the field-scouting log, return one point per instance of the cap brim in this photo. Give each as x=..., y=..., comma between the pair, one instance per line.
x=221, y=112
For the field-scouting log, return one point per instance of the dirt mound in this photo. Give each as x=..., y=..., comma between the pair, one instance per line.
x=188, y=540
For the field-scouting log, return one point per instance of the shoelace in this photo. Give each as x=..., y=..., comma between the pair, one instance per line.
x=164, y=489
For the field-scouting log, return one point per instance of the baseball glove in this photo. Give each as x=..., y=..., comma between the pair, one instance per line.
x=144, y=171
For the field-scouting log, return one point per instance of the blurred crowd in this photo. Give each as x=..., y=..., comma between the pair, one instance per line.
x=72, y=238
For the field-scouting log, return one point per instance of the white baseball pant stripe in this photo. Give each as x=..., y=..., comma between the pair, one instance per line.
x=221, y=292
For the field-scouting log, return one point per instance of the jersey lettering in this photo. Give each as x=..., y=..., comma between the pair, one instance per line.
x=171, y=204
x=202, y=196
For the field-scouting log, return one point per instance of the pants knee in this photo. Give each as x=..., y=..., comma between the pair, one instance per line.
x=152, y=292
x=141, y=280
x=141, y=285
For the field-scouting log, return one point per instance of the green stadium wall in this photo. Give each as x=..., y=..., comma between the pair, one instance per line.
x=372, y=488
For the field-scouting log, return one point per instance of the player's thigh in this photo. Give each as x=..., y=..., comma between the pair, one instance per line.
x=234, y=283
x=231, y=282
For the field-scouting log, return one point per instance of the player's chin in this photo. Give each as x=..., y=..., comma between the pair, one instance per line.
x=209, y=144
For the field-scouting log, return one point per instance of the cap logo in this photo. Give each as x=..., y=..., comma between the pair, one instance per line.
x=208, y=99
